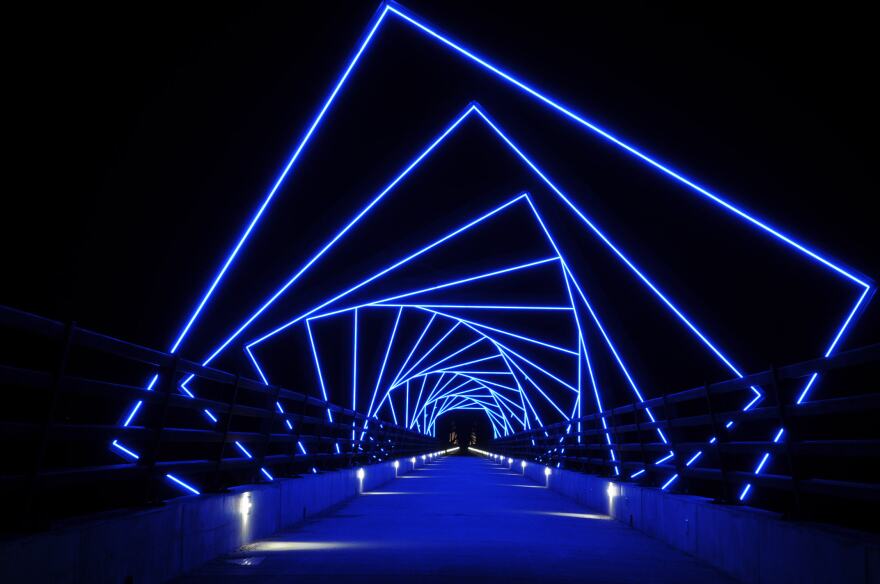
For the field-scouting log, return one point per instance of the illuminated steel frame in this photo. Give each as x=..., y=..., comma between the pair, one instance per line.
x=388, y=11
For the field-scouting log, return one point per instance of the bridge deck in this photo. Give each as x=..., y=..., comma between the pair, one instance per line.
x=460, y=518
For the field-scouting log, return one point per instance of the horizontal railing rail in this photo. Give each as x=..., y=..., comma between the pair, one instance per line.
x=64, y=390
x=809, y=460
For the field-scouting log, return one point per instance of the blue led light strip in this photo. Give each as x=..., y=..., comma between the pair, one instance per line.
x=409, y=18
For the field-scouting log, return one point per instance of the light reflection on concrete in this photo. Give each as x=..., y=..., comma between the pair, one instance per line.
x=300, y=546
x=391, y=493
x=572, y=515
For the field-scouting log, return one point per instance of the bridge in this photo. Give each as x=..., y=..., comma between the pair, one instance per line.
x=282, y=491
x=493, y=340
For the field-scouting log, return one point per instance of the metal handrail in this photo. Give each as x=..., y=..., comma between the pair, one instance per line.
x=723, y=474
x=37, y=476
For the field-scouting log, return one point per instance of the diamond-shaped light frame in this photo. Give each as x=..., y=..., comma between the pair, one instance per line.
x=388, y=11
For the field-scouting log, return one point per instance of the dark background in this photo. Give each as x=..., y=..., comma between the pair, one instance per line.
x=142, y=135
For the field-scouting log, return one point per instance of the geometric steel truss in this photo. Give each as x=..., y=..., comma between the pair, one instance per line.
x=450, y=383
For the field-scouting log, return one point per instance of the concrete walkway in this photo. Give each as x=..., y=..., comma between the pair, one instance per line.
x=459, y=519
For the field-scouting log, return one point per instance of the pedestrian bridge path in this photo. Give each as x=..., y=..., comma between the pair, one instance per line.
x=459, y=518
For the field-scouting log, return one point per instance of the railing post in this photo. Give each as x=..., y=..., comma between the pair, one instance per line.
x=34, y=484
x=297, y=430
x=152, y=456
x=227, y=423
x=614, y=441
x=726, y=486
x=788, y=440
x=268, y=423
x=606, y=449
x=679, y=463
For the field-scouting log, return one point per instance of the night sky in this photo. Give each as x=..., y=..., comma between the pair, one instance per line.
x=143, y=137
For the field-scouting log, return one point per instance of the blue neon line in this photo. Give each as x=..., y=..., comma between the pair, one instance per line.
x=256, y=365
x=243, y=449
x=562, y=110
x=453, y=368
x=502, y=348
x=354, y=366
x=762, y=463
x=318, y=368
x=523, y=395
x=465, y=280
x=499, y=385
x=189, y=488
x=393, y=266
x=431, y=367
x=608, y=243
x=432, y=397
x=418, y=400
x=520, y=337
x=376, y=304
x=694, y=458
x=506, y=348
x=122, y=448
x=481, y=306
x=434, y=346
x=669, y=482
x=618, y=142
x=538, y=367
x=131, y=415
x=413, y=350
x=833, y=345
x=601, y=408
x=665, y=458
x=436, y=392
x=610, y=345
x=278, y=182
x=384, y=362
x=332, y=242
x=267, y=474
x=500, y=400
x=470, y=372
x=536, y=386
x=391, y=407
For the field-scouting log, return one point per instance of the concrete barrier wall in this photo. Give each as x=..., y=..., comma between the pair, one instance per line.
x=155, y=545
x=749, y=544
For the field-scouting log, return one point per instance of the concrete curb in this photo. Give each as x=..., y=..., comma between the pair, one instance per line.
x=155, y=545
x=749, y=544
